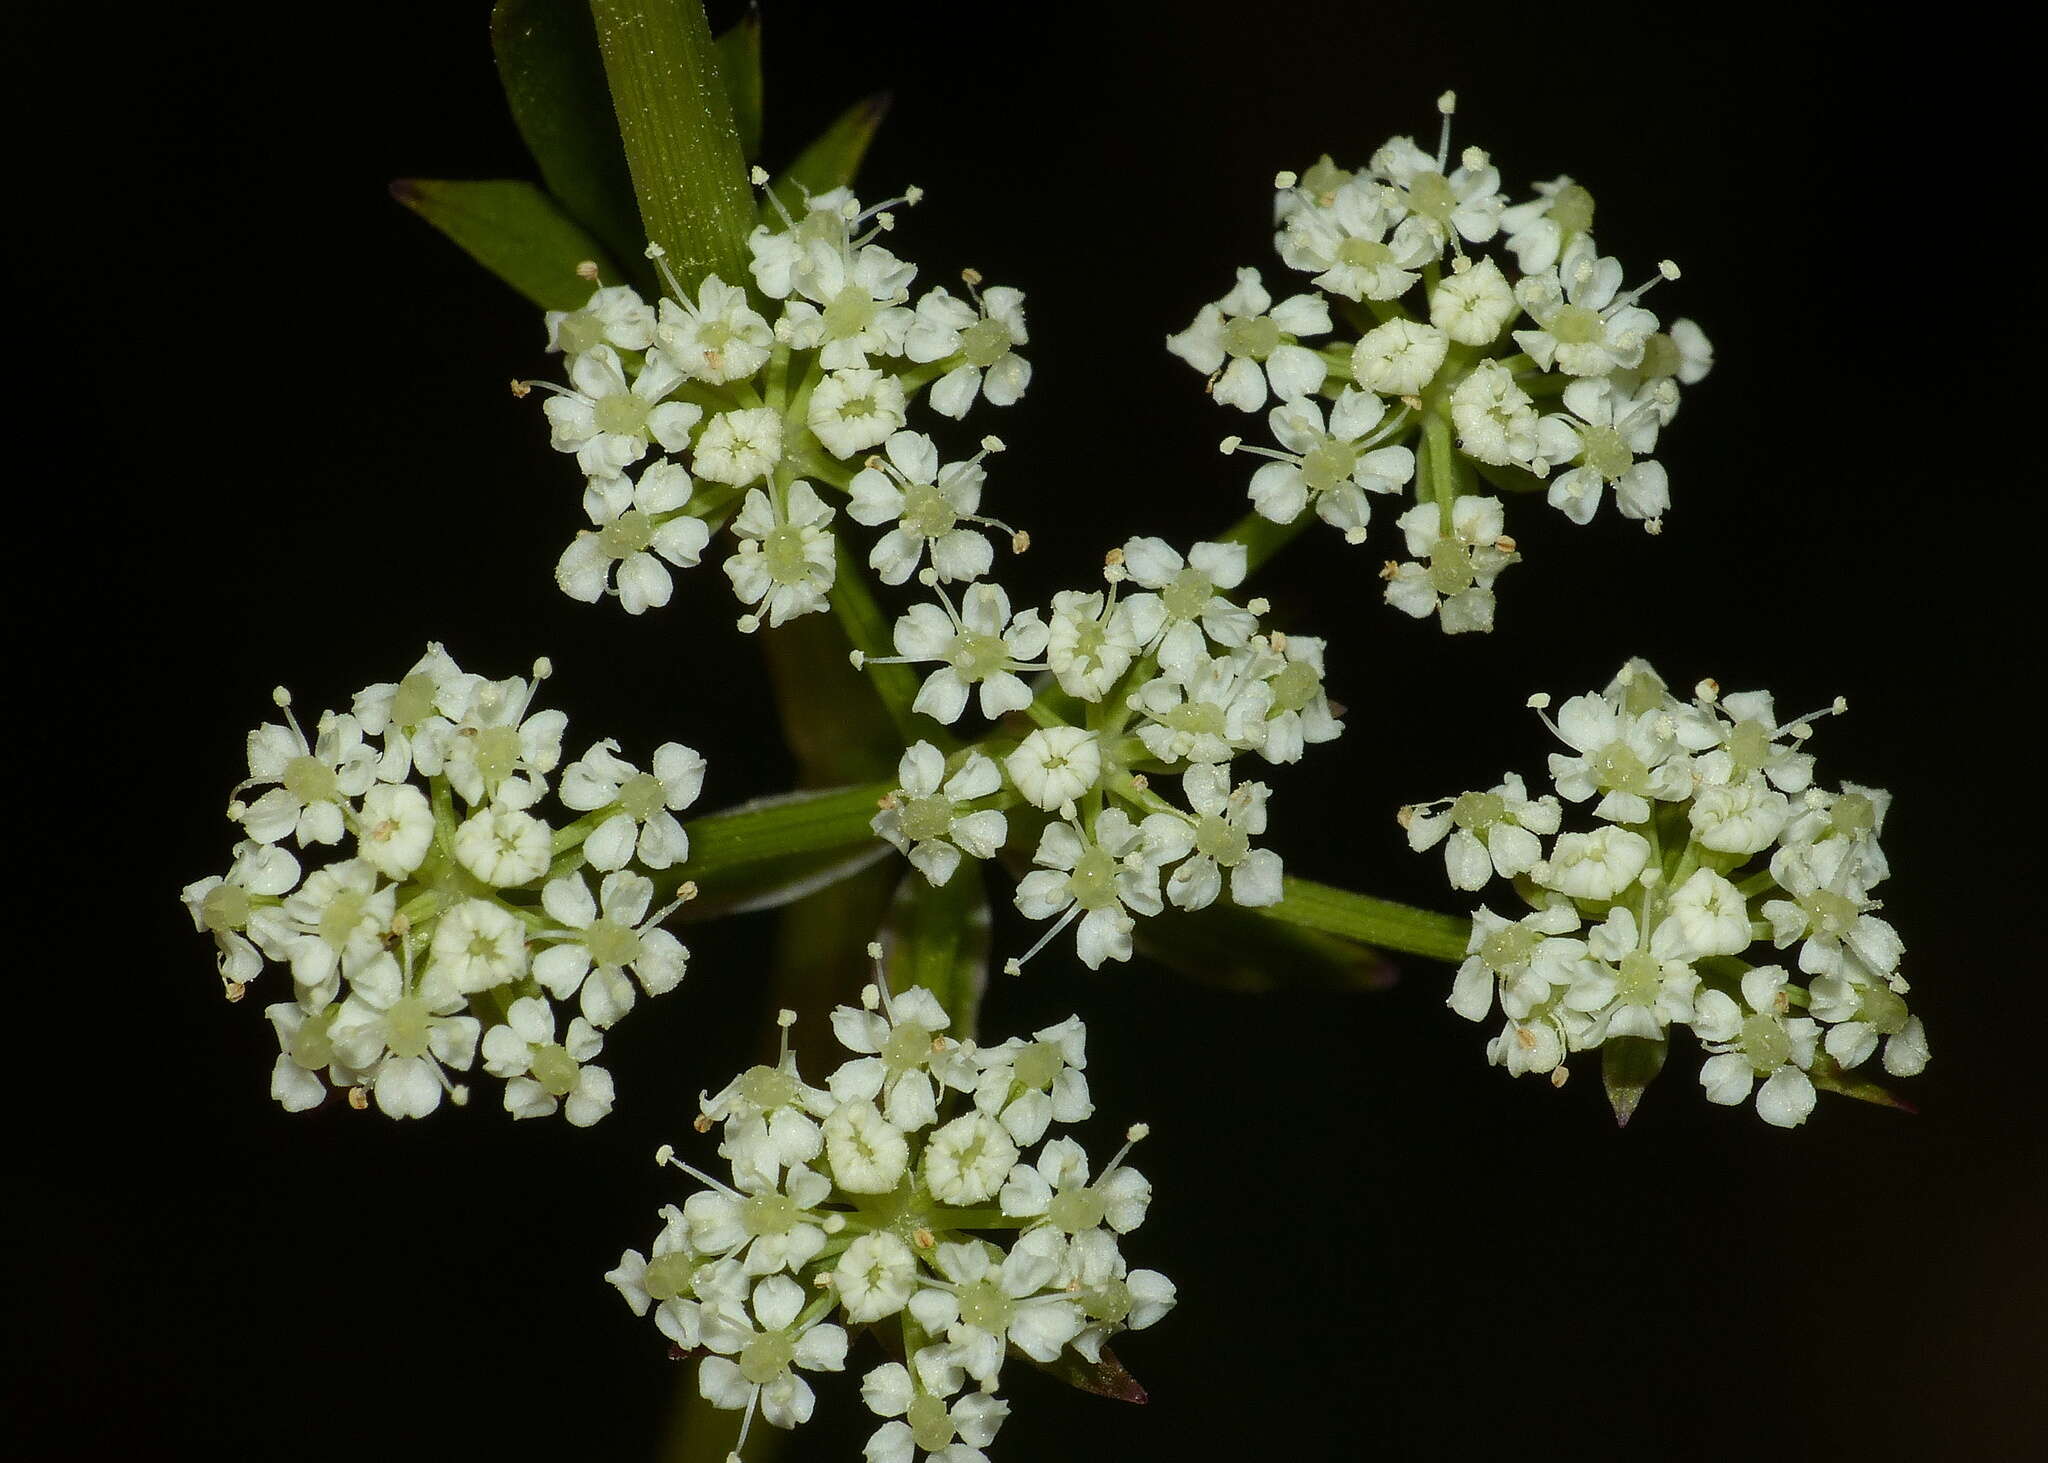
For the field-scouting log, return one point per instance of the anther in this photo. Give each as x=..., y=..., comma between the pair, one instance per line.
x=586, y=269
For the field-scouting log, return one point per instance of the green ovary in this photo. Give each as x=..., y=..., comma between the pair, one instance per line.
x=642, y=796
x=1110, y=1302
x=1476, y=810
x=555, y=1070
x=1221, y=842
x=497, y=754
x=344, y=913
x=931, y=1424
x=767, y=1089
x=924, y=818
x=1572, y=209
x=407, y=1026
x=984, y=1307
x=765, y=1214
x=1073, y=1210
x=1830, y=913
x=413, y=701
x=578, y=332
x=1765, y=1043
x=1642, y=978
x=1256, y=337
x=766, y=1357
x=985, y=342
x=311, y=1046
x=611, y=943
x=906, y=1048
x=310, y=780
x=783, y=548
x=1295, y=687
x=1576, y=325
x=623, y=415
x=1430, y=195
x=1037, y=1065
x=1093, y=882
x=1196, y=718
x=668, y=1276
x=1189, y=593
x=226, y=907
x=926, y=511
x=630, y=533
x=1364, y=254
x=851, y=312
x=1617, y=768
x=1603, y=450
x=1326, y=465
x=1509, y=948
x=1450, y=567
x=976, y=657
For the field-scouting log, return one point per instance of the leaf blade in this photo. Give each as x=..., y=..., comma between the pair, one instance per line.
x=515, y=231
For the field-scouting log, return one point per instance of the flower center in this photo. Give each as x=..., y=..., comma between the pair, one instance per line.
x=926, y=511
x=311, y=1047
x=976, y=657
x=413, y=701
x=1830, y=913
x=1618, y=769
x=642, y=796
x=1450, y=567
x=1603, y=450
x=1478, y=810
x=1073, y=1210
x=1327, y=464
x=766, y=1214
x=343, y=914
x=630, y=533
x=767, y=1088
x=1642, y=978
x=923, y=818
x=555, y=1069
x=611, y=943
x=1765, y=1043
x=1221, y=842
x=226, y=907
x=1364, y=254
x=1189, y=593
x=496, y=753
x=1750, y=745
x=1576, y=325
x=906, y=1048
x=852, y=310
x=622, y=414
x=1509, y=948
x=1255, y=336
x=985, y=342
x=310, y=780
x=1037, y=1065
x=1110, y=1302
x=766, y=1357
x=984, y=1306
x=783, y=548
x=406, y=1026
x=668, y=1276
x=931, y=1423
x=579, y=331
x=1196, y=718
x=1093, y=882
x=1295, y=686
x=1572, y=209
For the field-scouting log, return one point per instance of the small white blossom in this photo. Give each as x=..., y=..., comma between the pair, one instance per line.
x=1493, y=832
x=786, y=560
x=923, y=819
x=638, y=525
x=407, y=1039
x=1761, y=1042
x=609, y=422
x=645, y=825
x=504, y=847
x=979, y=645
x=605, y=939
x=1054, y=765
x=1452, y=574
x=720, y=338
x=1225, y=822
x=1399, y=358
x=543, y=1073
x=739, y=447
x=853, y=410
x=984, y=334
x=1102, y=876
x=1188, y=596
x=1472, y=307
x=929, y=504
x=1333, y=468
x=1258, y=339
x=614, y=315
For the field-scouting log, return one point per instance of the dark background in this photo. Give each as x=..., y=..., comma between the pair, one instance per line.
x=285, y=452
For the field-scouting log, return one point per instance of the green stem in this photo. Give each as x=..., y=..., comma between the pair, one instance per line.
x=682, y=145
x=1262, y=537
x=1372, y=921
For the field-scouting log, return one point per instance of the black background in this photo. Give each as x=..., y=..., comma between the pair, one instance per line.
x=277, y=446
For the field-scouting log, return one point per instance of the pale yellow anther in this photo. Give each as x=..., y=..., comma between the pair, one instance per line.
x=924, y=1239
x=1285, y=179
x=359, y=1099
x=970, y=277
x=686, y=891
x=521, y=390
x=586, y=269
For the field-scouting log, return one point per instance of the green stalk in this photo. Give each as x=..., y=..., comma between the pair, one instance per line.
x=682, y=144
x=1372, y=921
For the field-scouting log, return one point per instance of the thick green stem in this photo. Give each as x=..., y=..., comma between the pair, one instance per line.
x=682, y=144
x=1372, y=921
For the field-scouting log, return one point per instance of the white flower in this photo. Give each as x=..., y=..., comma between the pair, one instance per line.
x=1453, y=572
x=615, y=315
x=1599, y=437
x=875, y=1276
x=1467, y=204
x=768, y=1351
x=786, y=561
x=992, y=1300
x=1629, y=990
x=477, y=946
x=1399, y=358
x=1495, y=418
x=240, y=910
x=1056, y=1192
x=966, y=1161
x=1054, y=765
x=852, y=410
x=922, y=817
x=495, y=752
x=862, y=293
x=315, y=780
x=925, y=1422
x=739, y=447
x=719, y=339
x=769, y=1114
x=435, y=688
x=979, y=645
x=504, y=847
x=394, y=828
x=1101, y=876
x=1113, y=1297
x=1216, y=711
x=769, y=1219
x=1706, y=915
x=1224, y=825
x=1092, y=638
x=1629, y=757
x=928, y=503
x=332, y=925
x=1334, y=469
x=544, y=1073
x=1540, y=230
x=868, y=1154
x=306, y=1049
x=607, y=421
x=902, y=1055
x=639, y=524
x=1762, y=1042
x=406, y=1038
x=984, y=335
x=1596, y=865
x=645, y=825
x=1742, y=817
x=1522, y=960
x=1187, y=590
x=603, y=939
x=1258, y=340
x=1493, y=832
x=1345, y=242
x=1472, y=306
x=1585, y=326
x=1028, y=1085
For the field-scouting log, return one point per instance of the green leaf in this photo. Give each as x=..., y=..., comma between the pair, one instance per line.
x=554, y=82
x=832, y=718
x=676, y=122
x=739, y=57
x=775, y=882
x=1828, y=1076
x=1234, y=949
x=1370, y=921
x=1105, y=1378
x=515, y=231
x=767, y=838
x=865, y=626
x=939, y=938
x=1628, y=1065
x=834, y=156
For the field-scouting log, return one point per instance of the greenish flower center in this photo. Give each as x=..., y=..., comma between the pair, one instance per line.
x=1603, y=450
x=1221, y=842
x=310, y=780
x=985, y=342
x=1253, y=336
x=555, y=1069
x=852, y=310
x=1854, y=813
x=630, y=533
x=1430, y=195
x=767, y=1088
x=783, y=547
x=1327, y=464
x=497, y=754
x=579, y=331
x=311, y=1046
x=1830, y=913
x=1750, y=745
x=1038, y=1065
x=622, y=414
x=1660, y=356
x=906, y=1048
x=766, y=1357
x=668, y=1276
x=765, y=1214
x=611, y=943
x=1882, y=1008
x=976, y=657
x=923, y=818
x=1765, y=1043
x=1617, y=768
x=1478, y=810
x=1577, y=325
x=413, y=701
x=1195, y=718
x=407, y=1026
x=225, y=907
x=1450, y=567
x=1572, y=209
x=926, y=511
x=984, y=1306
x=1110, y=1302
x=1642, y=978
x=931, y=1423
x=1093, y=882
x=342, y=916
x=1509, y=948
x=642, y=796
x=1073, y=1210
x=1364, y=254
x=1189, y=593
x=1295, y=687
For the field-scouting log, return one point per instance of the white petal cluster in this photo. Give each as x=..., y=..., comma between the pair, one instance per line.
x=1717, y=878
x=904, y=1195
x=1437, y=360
x=448, y=911
x=753, y=421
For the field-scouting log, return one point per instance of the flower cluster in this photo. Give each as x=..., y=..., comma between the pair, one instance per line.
x=1712, y=838
x=1161, y=673
x=1538, y=370
x=754, y=423
x=902, y=1196
x=449, y=916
